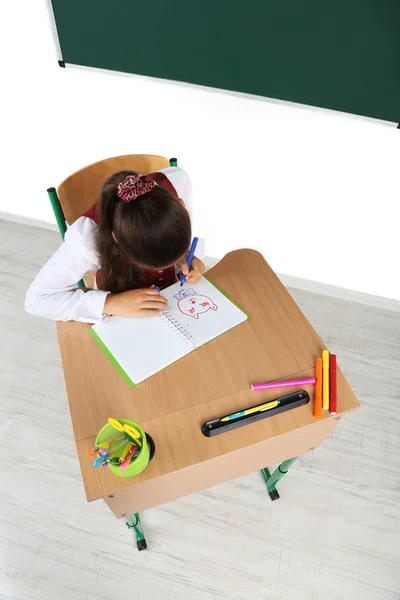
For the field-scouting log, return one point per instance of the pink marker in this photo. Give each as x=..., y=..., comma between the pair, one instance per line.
x=279, y=384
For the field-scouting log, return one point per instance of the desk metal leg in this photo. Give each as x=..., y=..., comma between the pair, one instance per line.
x=272, y=480
x=133, y=521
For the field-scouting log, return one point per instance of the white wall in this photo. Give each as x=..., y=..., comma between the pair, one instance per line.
x=315, y=192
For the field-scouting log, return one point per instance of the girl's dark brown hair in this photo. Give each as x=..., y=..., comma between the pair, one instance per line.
x=151, y=232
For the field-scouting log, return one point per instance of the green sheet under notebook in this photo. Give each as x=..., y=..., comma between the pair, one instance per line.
x=140, y=347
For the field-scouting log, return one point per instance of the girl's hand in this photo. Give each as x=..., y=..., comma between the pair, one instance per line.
x=144, y=302
x=196, y=270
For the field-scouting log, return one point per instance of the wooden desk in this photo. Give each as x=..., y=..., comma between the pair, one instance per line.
x=277, y=342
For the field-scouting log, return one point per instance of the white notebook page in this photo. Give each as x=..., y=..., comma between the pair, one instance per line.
x=202, y=310
x=142, y=345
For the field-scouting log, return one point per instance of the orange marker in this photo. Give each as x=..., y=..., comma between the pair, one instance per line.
x=318, y=389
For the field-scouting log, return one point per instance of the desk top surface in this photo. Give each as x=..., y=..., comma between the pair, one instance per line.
x=277, y=342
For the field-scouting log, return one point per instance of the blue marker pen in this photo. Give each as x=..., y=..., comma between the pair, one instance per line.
x=98, y=461
x=190, y=258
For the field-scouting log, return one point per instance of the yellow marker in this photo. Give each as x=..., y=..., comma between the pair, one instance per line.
x=318, y=389
x=125, y=451
x=250, y=411
x=325, y=379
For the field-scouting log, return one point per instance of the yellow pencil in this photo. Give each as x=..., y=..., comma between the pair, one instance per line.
x=325, y=379
x=125, y=451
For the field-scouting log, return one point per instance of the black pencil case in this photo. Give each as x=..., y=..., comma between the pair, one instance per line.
x=294, y=400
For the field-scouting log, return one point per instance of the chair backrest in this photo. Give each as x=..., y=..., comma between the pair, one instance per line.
x=80, y=190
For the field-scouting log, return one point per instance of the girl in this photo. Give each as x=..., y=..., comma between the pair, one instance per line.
x=135, y=237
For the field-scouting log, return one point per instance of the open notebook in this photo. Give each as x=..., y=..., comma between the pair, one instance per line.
x=141, y=346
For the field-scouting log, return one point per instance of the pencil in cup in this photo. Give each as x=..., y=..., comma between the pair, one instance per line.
x=125, y=463
x=126, y=451
x=325, y=379
x=318, y=389
x=332, y=385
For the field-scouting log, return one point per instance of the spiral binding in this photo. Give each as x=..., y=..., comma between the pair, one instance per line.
x=177, y=327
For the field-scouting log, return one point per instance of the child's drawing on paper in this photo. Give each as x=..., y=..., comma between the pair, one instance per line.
x=192, y=304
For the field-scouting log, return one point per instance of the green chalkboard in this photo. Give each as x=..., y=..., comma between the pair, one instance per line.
x=338, y=54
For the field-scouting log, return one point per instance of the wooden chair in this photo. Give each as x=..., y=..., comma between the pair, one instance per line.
x=77, y=193
x=75, y=196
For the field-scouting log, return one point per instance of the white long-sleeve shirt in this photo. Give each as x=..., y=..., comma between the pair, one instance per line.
x=53, y=293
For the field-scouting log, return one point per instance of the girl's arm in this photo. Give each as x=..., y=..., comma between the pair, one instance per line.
x=53, y=293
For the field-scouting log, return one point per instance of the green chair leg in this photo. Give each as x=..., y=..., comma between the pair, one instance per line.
x=59, y=215
x=272, y=480
x=133, y=521
x=57, y=210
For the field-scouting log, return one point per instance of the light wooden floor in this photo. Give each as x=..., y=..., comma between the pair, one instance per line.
x=333, y=535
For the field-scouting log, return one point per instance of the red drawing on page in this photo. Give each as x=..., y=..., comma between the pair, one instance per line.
x=192, y=304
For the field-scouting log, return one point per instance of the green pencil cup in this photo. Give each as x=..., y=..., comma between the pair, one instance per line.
x=138, y=462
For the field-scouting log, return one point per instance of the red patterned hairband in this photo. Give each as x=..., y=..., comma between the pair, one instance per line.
x=134, y=186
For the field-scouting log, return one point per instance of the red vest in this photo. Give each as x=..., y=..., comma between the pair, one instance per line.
x=163, y=278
